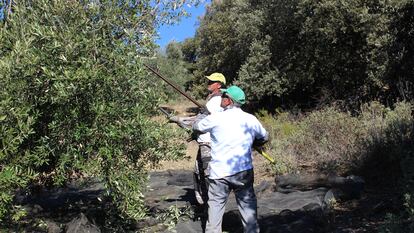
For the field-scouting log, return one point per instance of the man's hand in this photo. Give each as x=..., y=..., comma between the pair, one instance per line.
x=204, y=111
x=258, y=143
x=174, y=119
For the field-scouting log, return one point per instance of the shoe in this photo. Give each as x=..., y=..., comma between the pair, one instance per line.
x=199, y=198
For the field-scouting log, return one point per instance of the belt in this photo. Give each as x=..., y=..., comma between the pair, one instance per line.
x=204, y=144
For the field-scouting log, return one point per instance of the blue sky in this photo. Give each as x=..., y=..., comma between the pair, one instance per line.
x=185, y=28
x=181, y=30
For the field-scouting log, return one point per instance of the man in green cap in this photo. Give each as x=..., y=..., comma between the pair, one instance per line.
x=233, y=132
x=216, y=81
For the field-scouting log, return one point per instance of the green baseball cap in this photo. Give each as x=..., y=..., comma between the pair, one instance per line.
x=217, y=77
x=235, y=93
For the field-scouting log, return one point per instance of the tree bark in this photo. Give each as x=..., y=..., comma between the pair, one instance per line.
x=9, y=8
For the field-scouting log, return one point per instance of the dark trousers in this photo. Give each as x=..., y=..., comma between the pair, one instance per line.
x=201, y=170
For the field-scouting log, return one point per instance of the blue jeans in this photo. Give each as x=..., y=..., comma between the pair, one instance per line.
x=218, y=193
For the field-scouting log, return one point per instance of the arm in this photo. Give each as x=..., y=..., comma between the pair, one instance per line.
x=204, y=124
x=259, y=142
x=183, y=122
x=261, y=135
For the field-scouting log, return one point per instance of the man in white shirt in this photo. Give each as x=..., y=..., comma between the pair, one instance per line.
x=216, y=81
x=233, y=133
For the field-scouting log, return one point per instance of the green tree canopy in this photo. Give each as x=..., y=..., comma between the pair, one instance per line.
x=307, y=52
x=173, y=51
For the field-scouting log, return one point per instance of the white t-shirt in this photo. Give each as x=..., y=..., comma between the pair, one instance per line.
x=213, y=106
x=232, y=134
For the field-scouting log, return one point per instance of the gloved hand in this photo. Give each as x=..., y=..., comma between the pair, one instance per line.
x=204, y=111
x=174, y=118
x=259, y=142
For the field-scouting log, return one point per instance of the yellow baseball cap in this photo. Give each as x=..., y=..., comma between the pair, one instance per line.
x=217, y=77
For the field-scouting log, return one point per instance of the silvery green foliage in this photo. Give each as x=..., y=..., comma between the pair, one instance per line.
x=75, y=98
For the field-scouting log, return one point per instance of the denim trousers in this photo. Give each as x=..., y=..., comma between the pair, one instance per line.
x=218, y=192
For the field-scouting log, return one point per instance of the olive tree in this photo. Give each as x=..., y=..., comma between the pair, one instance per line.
x=76, y=99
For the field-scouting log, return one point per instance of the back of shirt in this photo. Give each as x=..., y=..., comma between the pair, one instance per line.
x=232, y=134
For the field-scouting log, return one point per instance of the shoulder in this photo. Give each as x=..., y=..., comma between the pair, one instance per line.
x=214, y=99
x=250, y=118
x=243, y=113
x=213, y=105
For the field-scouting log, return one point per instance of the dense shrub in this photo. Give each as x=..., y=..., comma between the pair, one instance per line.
x=376, y=144
x=377, y=140
x=281, y=130
x=327, y=138
x=387, y=149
